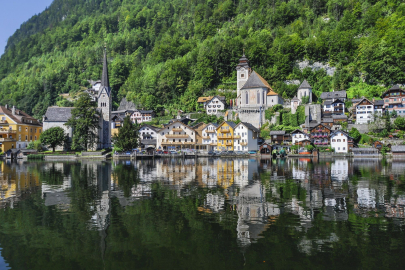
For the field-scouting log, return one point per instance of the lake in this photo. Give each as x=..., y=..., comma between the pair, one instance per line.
x=206, y=213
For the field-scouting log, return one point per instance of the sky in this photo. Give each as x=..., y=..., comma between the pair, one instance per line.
x=14, y=12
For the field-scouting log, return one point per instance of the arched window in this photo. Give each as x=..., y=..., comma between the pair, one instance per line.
x=258, y=97
x=247, y=97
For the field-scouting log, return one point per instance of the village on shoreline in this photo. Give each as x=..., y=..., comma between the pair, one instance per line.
x=257, y=121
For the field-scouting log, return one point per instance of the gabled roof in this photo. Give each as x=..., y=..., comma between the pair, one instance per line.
x=379, y=102
x=320, y=125
x=340, y=131
x=298, y=131
x=327, y=102
x=393, y=88
x=174, y=122
x=248, y=126
x=231, y=124
x=256, y=81
x=149, y=126
x=337, y=101
x=58, y=114
x=220, y=98
x=334, y=94
x=362, y=101
x=304, y=84
x=295, y=99
x=214, y=124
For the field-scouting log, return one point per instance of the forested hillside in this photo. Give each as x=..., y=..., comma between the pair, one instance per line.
x=167, y=53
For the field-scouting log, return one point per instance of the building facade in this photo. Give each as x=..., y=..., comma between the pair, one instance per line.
x=341, y=141
x=245, y=137
x=209, y=136
x=176, y=136
x=225, y=132
x=394, y=100
x=298, y=136
x=364, y=112
x=141, y=116
x=215, y=105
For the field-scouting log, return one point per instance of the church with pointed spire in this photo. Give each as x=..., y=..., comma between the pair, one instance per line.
x=100, y=92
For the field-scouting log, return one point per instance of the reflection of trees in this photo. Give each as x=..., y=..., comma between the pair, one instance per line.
x=127, y=177
x=52, y=175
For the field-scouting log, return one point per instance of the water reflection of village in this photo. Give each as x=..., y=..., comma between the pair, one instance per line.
x=255, y=192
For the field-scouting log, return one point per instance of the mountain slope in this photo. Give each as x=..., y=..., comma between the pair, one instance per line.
x=166, y=53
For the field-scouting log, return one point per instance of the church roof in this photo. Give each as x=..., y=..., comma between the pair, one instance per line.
x=304, y=84
x=58, y=114
x=243, y=62
x=256, y=81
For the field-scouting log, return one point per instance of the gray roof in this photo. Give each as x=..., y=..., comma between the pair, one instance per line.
x=335, y=94
x=327, y=102
x=378, y=102
x=298, y=131
x=395, y=87
x=295, y=98
x=327, y=120
x=277, y=132
x=104, y=77
x=340, y=131
x=231, y=124
x=304, y=84
x=338, y=101
x=250, y=126
x=58, y=114
x=151, y=127
x=342, y=116
x=254, y=82
x=397, y=148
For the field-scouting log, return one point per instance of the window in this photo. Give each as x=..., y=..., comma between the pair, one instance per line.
x=344, y=148
x=258, y=97
x=30, y=138
x=26, y=137
x=35, y=137
x=19, y=128
x=242, y=75
x=344, y=140
x=247, y=97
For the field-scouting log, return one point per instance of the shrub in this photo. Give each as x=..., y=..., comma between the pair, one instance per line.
x=36, y=156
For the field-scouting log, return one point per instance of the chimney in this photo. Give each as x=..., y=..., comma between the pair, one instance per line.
x=13, y=110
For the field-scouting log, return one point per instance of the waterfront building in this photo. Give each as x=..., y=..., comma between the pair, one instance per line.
x=363, y=112
x=341, y=141
x=17, y=128
x=209, y=136
x=148, y=136
x=176, y=136
x=320, y=135
x=298, y=136
x=199, y=144
x=279, y=137
x=394, y=100
x=245, y=137
x=225, y=132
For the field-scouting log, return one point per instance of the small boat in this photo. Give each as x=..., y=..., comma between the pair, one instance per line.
x=303, y=151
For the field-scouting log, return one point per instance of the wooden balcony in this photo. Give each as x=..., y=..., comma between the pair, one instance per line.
x=7, y=131
x=243, y=143
x=225, y=137
x=211, y=131
x=213, y=144
x=177, y=136
x=229, y=143
x=172, y=143
x=236, y=136
x=225, y=130
x=6, y=140
x=206, y=137
x=177, y=129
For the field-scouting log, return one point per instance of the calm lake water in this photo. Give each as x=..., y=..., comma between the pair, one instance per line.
x=203, y=214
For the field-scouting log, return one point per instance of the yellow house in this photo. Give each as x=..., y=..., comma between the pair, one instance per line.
x=225, y=136
x=17, y=128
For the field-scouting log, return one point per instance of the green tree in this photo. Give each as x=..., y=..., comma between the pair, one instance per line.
x=394, y=114
x=400, y=123
x=127, y=137
x=355, y=134
x=53, y=137
x=36, y=145
x=85, y=123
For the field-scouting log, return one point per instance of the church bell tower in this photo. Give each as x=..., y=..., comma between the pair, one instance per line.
x=105, y=106
x=243, y=71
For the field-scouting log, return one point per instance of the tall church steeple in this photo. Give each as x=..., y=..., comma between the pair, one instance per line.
x=105, y=106
x=243, y=71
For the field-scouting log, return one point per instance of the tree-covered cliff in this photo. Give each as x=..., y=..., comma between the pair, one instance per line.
x=166, y=53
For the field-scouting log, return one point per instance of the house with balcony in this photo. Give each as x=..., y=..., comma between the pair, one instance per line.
x=341, y=141
x=198, y=128
x=334, y=95
x=298, y=136
x=280, y=137
x=215, y=105
x=363, y=112
x=319, y=135
x=245, y=137
x=330, y=107
x=209, y=136
x=394, y=100
x=141, y=116
x=225, y=132
x=176, y=136
x=378, y=106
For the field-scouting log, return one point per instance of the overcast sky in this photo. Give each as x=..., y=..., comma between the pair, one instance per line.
x=14, y=12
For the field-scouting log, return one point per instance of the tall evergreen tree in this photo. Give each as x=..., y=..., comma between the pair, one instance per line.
x=127, y=137
x=85, y=123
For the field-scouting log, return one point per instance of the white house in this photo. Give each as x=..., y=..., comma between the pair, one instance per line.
x=298, y=136
x=245, y=137
x=364, y=111
x=209, y=136
x=215, y=105
x=176, y=136
x=141, y=116
x=147, y=132
x=340, y=141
